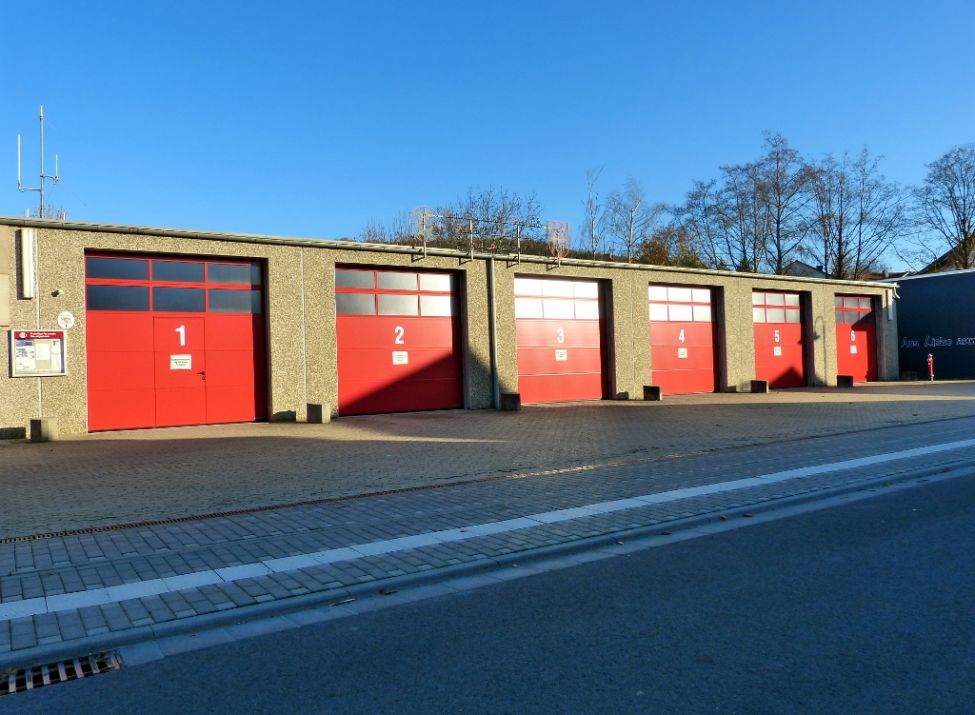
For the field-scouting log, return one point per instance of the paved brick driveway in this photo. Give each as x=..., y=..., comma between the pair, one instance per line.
x=122, y=477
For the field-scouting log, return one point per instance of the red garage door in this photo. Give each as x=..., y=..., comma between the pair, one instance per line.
x=856, y=337
x=173, y=342
x=682, y=339
x=398, y=341
x=559, y=337
x=779, y=351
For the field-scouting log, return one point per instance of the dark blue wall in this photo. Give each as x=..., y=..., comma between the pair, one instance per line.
x=936, y=315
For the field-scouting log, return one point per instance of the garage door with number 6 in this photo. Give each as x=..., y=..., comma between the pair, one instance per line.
x=856, y=337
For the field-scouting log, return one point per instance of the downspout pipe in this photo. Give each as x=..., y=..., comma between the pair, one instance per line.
x=492, y=336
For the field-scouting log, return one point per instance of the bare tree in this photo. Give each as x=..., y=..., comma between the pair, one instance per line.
x=856, y=215
x=592, y=225
x=630, y=218
x=946, y=206
x=743, y=216
x=699, y=218
x=783, y=178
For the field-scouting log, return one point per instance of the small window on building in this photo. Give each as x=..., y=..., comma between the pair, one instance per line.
x=528, y=307
x=179, y=300
x=348, y=278
x=117, y=297
x=439, y=282
x=398, y=304
x=397, y=281
x=177, y=271
x=435, y=305
x=587, y=310
x=118, y=268
x=240, y=274
x=355, y=304
x=228, y=300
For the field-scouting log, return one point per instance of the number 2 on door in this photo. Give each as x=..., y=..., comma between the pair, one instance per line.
x=399, y=332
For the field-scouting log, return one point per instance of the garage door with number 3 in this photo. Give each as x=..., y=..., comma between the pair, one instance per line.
x=559, y=337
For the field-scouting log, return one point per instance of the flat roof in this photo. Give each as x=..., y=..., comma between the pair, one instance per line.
x=939, y=274
x=351, y=245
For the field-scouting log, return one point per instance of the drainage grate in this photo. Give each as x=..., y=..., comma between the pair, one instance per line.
x=19, y=680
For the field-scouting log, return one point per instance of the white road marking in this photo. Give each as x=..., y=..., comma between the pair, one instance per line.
x=137, y=589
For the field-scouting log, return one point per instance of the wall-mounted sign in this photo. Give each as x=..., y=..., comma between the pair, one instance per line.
x=66, y=319
x=38, y=353
x=776, y=351
x=401, y=357
x=180, y=362
x=853, y=350
x=682, y=353
x=561, y=355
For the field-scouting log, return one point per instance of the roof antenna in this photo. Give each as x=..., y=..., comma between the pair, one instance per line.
x=42, y=210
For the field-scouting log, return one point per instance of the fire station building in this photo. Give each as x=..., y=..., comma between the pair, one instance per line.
x=118, y=327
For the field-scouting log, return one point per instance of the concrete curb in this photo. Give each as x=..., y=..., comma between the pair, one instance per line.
x=374, y=589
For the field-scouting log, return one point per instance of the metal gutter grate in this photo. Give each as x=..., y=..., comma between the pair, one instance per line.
x=23, y=679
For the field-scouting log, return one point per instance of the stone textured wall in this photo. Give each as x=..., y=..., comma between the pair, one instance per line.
x=301, y=316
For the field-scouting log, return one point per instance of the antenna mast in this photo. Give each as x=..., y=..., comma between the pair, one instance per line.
x=42, y=210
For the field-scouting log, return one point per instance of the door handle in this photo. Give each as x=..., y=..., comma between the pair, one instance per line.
x=203, y=374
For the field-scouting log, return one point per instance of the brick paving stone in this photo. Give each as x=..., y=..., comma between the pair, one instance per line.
x=93, y=620
x=177, y=603
x=136, y=612
x=4, y=636
x=22, y=634
x=47, y=629
x=115, y=617
x=70, y=625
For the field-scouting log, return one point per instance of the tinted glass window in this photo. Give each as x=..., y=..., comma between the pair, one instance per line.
x=680, y=313
x=702, y=313
x=587, y=310
x=397, y=281
x=792, y=299
x=235, y=301
x=436, y=281
x=528, y=286
x=586, y=290
x=702, y=295
x=355, y=304
x=528, y=307
x=657, y=293
x=179, y=300
x=435, y=305
x=658, y=312
x=558, y=309
x=776, y=315
x=758, y=315
x=177, y=271
x=398, y=305
x=774, y=299
x=123, y=268
x=681, y=295
x=242, y=274
x=118, y=298
x=345, y=278
x=758, y=299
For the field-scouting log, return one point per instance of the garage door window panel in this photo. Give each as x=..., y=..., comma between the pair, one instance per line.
x=117, y=268
x=236, y=274
x=177, y=272
x=179, y=300
x=110, y=297
x=229, y=300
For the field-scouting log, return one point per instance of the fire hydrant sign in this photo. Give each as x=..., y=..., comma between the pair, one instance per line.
x=38, y=353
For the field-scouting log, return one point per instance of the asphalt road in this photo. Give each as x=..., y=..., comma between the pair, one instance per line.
x=862, y=608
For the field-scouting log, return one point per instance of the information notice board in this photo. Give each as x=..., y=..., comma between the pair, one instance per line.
x=38, y=353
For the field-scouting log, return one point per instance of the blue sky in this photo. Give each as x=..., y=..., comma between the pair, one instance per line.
x=311, y=119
